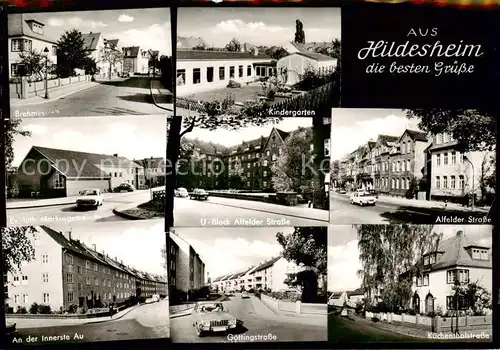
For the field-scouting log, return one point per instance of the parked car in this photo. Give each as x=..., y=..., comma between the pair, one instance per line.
x=10, y=331
x=199, y=194
x=149, y=301
x=363, y=198
x=373, y=193
x=211, y=317
x=91, y=198
x=341, y=191
x=244, y=295
x=156, y=298
x=124, y=187
x=181, y=192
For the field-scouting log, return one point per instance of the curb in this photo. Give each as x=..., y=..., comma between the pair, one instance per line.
x=117, y=318
x=153, y=97
x=126, y=216
x=53, y=99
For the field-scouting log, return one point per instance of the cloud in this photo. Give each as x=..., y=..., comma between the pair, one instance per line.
x=223, y=256
x=78, y=22
x=125, y=18
x=55, y=22
x=154, y=37
x=343, y=265
x=346, y=139
x=36, y=129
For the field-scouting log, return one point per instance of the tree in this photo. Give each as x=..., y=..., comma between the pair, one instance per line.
x=474, y=129
x=472, y=298
x=300, y=36
x=487, y=175
x=289, y=172
x=90, y=66
x=17, y=247
x=71, y=53
x=32, y=64
x=11, y=130
x=234, y=45
x=200, y=46
x=112, y=57
x=164, y=254
x=307, y=247
x=276, y=52
x=236, y=174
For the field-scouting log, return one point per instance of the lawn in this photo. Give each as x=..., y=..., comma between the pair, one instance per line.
x=150, y=210
x=242, y=94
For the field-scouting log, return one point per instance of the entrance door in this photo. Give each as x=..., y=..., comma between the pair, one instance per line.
x=429, y=304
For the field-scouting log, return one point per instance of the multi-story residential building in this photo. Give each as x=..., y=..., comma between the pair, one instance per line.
x=189, y=267
x=136, y=60
x=67, y=274
x=50, y=172
x=172, y=258
x=454, y=258
x=27, y=33
x=155, y=170
x=454, y=175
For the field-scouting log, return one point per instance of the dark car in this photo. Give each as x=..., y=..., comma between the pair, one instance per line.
x=199, y=194
x=124, y=187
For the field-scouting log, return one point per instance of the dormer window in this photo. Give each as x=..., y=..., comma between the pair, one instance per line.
x=432, y=259
x=480, y=254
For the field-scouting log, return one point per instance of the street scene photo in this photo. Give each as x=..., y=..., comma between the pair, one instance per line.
x=413, y=166
x=283, y=64
x=85, y=284
x=410, y=283
x=240, y=284
x=250, y=172
x=90, y=63
x=85, y=170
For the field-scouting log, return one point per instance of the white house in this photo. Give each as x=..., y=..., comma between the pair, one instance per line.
x=135, y=60
x=203, y=70
x=26, y=33
x=454, y=258
x=338, y=299
x=290, y=69
x=346, y=298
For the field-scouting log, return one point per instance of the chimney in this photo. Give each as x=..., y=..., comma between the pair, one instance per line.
x=121, y=262
x=255, y=51
x=94, y=247
x=116, y=258
x=115, y=155
x=460, y=233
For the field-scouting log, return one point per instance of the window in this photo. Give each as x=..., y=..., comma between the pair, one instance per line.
x=210, y=74
x=446, y=137
x=96, y=281
x=16, y=278
x=46, y=298
x=392, y=183
x=438, y=159
x=16, y=299
x=96, y=268
x=408, y=165
x=69, y=259
x=196, y=75
x=69, y=278
x=264, y=183
x=452, y=182
x=45, y=258
x=249, y=71
x=426, y=261
x=240, y=71
x=461, y=182
x=462, y=275
x=480, y=254
x=181, y=77
x=87, y=281
x=18, y=45
x=453, y=158
x=79, y=286
x=231, y=72
x=326, y=146
x=58, y=181
x=432, y=259
x=25, y=298
x=403, y=148
x=394, y=166
x=222, y=73
x=445, y=181
x=439, y=138
x=438, y=182
x=264, y=173
x=265, y=162
x=426, y=279
x=71, y=297
x=45, y=277
x=445, y=159
x=87, y=264
x=25, y=279
x=54, y=50
x=274, y=157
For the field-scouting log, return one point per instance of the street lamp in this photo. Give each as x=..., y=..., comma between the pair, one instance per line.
x=473, y=191
x=46, y=51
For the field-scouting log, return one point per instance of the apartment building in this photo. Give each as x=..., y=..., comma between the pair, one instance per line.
x=66, y=273
x=155, y=170
x=189, y=267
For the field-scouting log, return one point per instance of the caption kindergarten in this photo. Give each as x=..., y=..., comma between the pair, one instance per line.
x=386, y=49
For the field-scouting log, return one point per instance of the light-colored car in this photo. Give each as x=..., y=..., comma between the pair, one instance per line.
x=149, y=301
x=91, y=198
x=199, y=194
x=181, y=192
x=156, y=298
x=245, y=295
x=211, y=317
x=363, y=198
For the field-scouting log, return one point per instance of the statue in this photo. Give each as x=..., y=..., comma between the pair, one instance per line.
x=300, y=36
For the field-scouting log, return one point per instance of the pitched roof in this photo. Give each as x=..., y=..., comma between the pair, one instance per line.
x=199, y=55
x=113, y=43
x=207, y=147
x=315, y=56
x=19, y=25
x=186, y=43
x=336, y=295
x=266, y=264
x=153, y=162
x=455, y=252
x=131, y=51
x=91, y=40
x=312, y=46
x=75, y=164
x=383, y=139
x=417, y=135
x=71, y=245
x=217, y=279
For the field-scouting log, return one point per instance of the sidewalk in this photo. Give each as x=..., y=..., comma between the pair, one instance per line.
x=303, y=213
x=262, y=309
x=56, y=322
x=162, y=97
x=54, y=93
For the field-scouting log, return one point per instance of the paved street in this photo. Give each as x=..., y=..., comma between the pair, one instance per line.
x=130, y=96
x=70, y=213
x=342, y=212
x=254, y=323
x=145, y=322
x=217, y=211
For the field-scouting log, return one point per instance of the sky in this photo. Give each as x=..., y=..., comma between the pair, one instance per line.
x=352, y=128
x=147, y=28
x=258, y=26
x=230, y=138
x=227, y=250
x=131, y=137
x=343, y=254
x=138, y=245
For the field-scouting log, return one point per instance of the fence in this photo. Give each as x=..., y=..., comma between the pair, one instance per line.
x=437, y=324
x=158, y=194
x=25, y=89
x=294, y=307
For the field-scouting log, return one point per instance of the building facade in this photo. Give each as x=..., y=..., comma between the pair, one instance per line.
x=204, y=70
x=66, y=274
x=155, y=170
x=26, y=33
x=292, y=68
x=135, y=60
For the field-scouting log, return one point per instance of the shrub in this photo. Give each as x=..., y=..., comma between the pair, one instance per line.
x=72, y=309
x=21, y=310
x=44, y=309
x=233, y=84
x=375, y=319
x=34, y=308
x=271, y=93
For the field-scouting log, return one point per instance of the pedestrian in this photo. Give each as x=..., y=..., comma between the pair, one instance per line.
x=111, y=311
